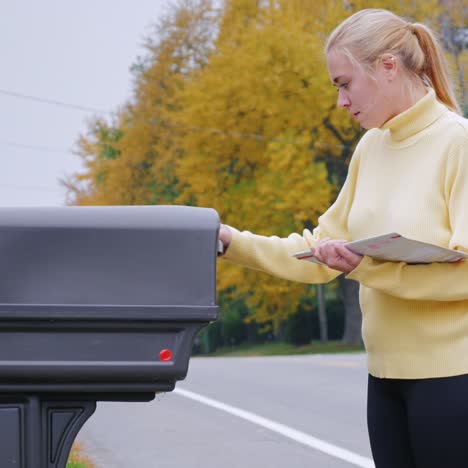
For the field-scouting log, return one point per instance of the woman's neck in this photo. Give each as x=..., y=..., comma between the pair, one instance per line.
x=413, y=92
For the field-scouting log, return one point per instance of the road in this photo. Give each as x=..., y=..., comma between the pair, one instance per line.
x=285, y=411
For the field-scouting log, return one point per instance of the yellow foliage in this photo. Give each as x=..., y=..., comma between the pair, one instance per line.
x=242, y=120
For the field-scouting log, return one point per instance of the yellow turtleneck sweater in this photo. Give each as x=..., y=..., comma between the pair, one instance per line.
x=410, y=176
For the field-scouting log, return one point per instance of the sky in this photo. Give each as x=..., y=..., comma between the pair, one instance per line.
x=76, y=52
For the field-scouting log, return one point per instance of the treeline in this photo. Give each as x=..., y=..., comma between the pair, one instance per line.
x=235, y=326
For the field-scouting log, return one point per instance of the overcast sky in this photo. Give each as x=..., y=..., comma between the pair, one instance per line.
x=71, y=51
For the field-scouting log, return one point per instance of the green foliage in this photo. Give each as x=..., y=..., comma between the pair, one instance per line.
x=231, y=328
x=300, y=328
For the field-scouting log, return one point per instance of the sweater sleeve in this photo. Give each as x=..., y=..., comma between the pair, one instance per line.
x=436, y=281
x=273, y=254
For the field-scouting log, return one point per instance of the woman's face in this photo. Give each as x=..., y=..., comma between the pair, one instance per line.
x=363, y=95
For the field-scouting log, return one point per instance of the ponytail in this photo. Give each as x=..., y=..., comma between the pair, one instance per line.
x=435, y=68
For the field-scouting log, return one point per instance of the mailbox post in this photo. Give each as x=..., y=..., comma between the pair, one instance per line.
x=96, y=303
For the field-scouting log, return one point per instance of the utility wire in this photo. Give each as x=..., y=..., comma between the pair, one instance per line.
x=239, y=135
x=30, y=187
x=32, y=147
x=50, y=101
x=236, y=135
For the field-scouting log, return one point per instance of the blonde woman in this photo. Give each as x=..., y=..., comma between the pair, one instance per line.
x=409, y=174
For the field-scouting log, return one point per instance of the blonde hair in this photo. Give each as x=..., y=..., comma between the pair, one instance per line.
x=369, y=33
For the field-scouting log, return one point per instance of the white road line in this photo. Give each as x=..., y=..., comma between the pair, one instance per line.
x=286, y=431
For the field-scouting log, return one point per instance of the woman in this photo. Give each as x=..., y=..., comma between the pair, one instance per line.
x=409, y=174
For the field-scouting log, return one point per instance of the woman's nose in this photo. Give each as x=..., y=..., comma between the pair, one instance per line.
x=343, y=100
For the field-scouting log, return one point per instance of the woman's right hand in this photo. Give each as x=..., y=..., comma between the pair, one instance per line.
x=336, y=255
x=225, y=236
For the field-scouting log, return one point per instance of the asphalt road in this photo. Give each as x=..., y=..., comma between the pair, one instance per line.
x=277, y=412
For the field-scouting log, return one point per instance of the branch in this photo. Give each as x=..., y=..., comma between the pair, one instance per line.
x=329, y=126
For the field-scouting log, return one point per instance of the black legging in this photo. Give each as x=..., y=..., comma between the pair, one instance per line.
x=419, y=423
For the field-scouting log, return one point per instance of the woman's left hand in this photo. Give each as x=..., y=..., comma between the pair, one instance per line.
x=336, y=256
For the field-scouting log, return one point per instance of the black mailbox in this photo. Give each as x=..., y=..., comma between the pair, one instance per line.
x=96, y=303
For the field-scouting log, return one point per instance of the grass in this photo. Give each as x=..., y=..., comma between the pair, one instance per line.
x=77, y=460
x=279, y=349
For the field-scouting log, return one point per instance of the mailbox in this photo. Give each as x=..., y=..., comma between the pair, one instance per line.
x=96, y=303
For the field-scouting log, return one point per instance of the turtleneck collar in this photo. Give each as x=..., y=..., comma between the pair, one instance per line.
x=419, y=116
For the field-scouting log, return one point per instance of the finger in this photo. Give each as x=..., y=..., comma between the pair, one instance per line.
x=337, y=260
x=325, y=253
x=318, y=255
x=329, y=243
x=351, y=258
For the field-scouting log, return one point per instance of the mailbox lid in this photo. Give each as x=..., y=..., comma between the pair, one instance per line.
x=119, y=255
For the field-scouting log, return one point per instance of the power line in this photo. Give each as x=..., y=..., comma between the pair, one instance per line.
x=33, y=147
x=216, y=131
x=50, y=101
x=30, y=187
x=233, y=134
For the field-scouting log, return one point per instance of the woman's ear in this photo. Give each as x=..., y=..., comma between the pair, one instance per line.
x=389, y=64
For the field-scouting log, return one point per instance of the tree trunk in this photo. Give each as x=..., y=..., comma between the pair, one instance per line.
x=349, y=290
x=278, y=330
x=251, y=332
x=322, y=313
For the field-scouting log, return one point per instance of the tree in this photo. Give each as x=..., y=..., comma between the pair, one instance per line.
x=454, y=33
x=233, y=109
x=254, y=140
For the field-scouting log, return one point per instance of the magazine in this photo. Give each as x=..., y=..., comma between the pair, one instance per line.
x=394, y=247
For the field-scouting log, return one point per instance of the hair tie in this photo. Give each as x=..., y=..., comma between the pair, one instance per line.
x=411, y=28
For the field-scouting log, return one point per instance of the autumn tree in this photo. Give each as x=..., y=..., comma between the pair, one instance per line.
x=254, y=141
x=233, y=109
x=273, y=146
x=453, y=20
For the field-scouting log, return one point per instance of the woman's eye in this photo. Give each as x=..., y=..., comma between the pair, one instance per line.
x=344, y=85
